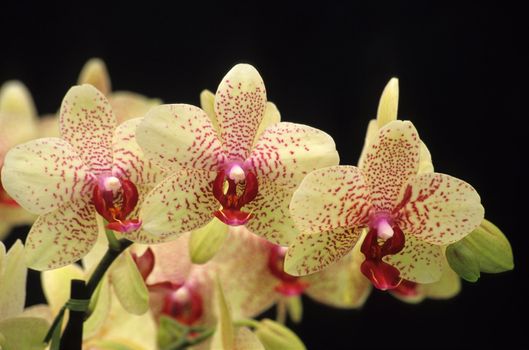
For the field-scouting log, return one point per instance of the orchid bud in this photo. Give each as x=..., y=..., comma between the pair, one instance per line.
x=206, y=241
x=276, y=336
x=462, y=260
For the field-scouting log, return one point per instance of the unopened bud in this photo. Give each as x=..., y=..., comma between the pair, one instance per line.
x=275, y=336
x=206, y=241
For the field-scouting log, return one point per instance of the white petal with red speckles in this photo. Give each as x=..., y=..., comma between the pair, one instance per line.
x=87, y=123
x=239, y=106
x=442, y=209
x=182, y=202
x=419, y=261
x=272, y=218
x=314, y=251
x=391, y=160
x=43, y=174
x=286, y=152
x=342, y=284
x=329, y=198
x=179, y=135
x=61, y=237
x=129, y=161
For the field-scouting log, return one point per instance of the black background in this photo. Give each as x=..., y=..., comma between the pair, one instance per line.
x=461, y=70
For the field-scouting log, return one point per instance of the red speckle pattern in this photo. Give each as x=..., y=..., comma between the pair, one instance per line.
x=329, y=198
x=271, y=217
x=182, y=202
x=442, y=209
x=390, y=162
x=286, y=152
x=419, y=261
x=239, y=105
x=180, y=136
x=67, y=177
x=61, y=237
x=312, y=252
x=87, y=123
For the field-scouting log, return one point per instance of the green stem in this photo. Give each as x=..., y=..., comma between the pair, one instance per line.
x=113, y=242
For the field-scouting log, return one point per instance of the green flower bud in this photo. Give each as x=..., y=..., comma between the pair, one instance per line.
x=275, y=336
x=463, y=260
x=206, y=241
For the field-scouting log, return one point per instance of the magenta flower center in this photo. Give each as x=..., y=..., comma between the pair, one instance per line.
x=241, y=189
x=115, y=199
x=288, y=285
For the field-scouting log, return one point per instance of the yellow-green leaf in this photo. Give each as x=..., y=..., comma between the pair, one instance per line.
x=128, y=285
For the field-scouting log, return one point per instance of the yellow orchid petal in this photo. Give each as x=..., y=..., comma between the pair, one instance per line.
x=95, y=73
x=5, y=229
x=129, y=160
x=172, y=261
x=39, y=311
x=330, y=198
x=94, y=256
x=18, y=121
x=286, y=152
x=245, y=339
x=205, y=242
x=14, y=215
x=425, y=160
x=391, y=161
x=342, y=284
x=441, y=209
x=271, y=117
x=128, y=284
x=56, y=285
x=207, y=103
x=43, y=174
x=419, y=261
x=166, y=211
x=312, y=252
x=61, y=237
x=389, y=103
x=128, y=105
x=99, y=315
x=87, y=123
x=271, y=216
x=240, y=102
x=371, y=134
x=13, y=273
x=447, y=287
x=179, y=135
x=23, y=333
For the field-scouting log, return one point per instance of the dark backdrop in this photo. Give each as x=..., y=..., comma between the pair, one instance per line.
x=461, y=78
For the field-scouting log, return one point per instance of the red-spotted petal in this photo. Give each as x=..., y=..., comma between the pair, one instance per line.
x=329, y=198
x=419, y=261
x=442, y=209
x=314, y=251
x=87, y=123
x=390, y=161
x=179, y=135
x=129, y=160
x=286, y=152
x=182, y=202
x=43, y=174
x=61, y=237
x=271, y=216
x=239, y=105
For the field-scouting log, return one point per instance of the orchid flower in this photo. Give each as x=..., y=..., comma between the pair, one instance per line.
x=409, y=216
x=18, y=329
x=109, y=325
x=95, y=168
x=183, y=290
x=18, y=123
x=223, y=167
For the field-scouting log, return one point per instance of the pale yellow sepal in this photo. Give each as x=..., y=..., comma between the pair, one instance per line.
x=224, y=337
x=389, y=103
x=207, y=103
x=18, y=120
x=23, y=333
x=205, y=242
x=95, y=73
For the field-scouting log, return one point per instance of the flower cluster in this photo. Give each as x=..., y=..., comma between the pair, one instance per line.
x=191, y=222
